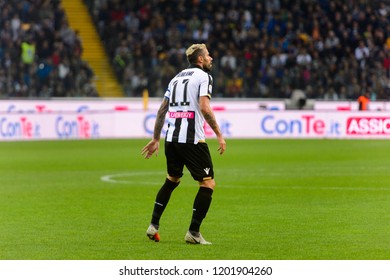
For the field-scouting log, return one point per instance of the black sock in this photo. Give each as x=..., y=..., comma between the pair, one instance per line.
x=162, y=198
x=201, y=206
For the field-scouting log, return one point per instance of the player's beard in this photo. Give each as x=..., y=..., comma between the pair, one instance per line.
x=208, y=67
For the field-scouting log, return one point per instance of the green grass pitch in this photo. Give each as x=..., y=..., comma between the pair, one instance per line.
x=274, y=200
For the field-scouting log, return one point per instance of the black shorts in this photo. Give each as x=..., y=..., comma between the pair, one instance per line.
x=196, y=157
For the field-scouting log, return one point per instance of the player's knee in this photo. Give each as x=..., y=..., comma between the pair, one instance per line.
x=173, y=179
x=208, y=183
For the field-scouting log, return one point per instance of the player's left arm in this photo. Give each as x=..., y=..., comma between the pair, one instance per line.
x=207, y=111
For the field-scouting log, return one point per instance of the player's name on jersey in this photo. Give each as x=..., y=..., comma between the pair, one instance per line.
x=185, y=73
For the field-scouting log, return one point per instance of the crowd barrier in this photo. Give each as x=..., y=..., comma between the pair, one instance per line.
x=105, y=119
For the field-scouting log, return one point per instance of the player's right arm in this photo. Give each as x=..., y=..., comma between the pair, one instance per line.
x=154, y=144
x=205, y=108
x=160, y=119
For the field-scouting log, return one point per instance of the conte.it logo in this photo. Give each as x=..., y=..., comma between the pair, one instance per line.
x=79, y=127
x=22, y=127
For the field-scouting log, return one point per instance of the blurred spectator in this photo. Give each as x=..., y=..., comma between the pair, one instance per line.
x=303, y=58
x=363, y=101
x=298, y=99
x=331, y=94
x=362, y=53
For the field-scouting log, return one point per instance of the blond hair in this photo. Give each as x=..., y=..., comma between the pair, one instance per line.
x=194, y=51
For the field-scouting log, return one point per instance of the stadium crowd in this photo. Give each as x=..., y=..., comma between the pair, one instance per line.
x=40, y=55
x=330, y=49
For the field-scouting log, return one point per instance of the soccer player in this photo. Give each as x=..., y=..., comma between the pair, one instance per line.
x=186, y=103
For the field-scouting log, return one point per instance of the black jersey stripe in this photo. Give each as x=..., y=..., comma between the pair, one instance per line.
x=210, y=83
x=175, y=136
x=191, y=130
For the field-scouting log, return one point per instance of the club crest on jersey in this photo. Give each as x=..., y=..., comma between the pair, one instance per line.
x=207, y=170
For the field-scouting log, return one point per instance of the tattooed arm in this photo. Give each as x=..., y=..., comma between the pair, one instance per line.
x=160, y=119
x=154, y=144
x=204, y=103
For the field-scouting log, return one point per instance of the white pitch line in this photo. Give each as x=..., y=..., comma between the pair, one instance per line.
x=121, y=179
x=336, y=188
x=117, y=178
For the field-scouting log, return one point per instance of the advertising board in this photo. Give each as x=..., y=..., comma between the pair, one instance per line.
x=234, y=124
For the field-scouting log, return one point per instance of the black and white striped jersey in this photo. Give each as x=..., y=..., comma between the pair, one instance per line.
x=185, y=120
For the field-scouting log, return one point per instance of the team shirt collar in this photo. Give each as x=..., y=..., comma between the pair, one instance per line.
x=196, y=66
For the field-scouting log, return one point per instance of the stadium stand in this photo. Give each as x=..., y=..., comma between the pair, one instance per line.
x=331, y=50
x=40, y=54
x=94, y=53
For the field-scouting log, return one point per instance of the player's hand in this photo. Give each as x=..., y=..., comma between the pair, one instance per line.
x=151, y=148
x=222, y=145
